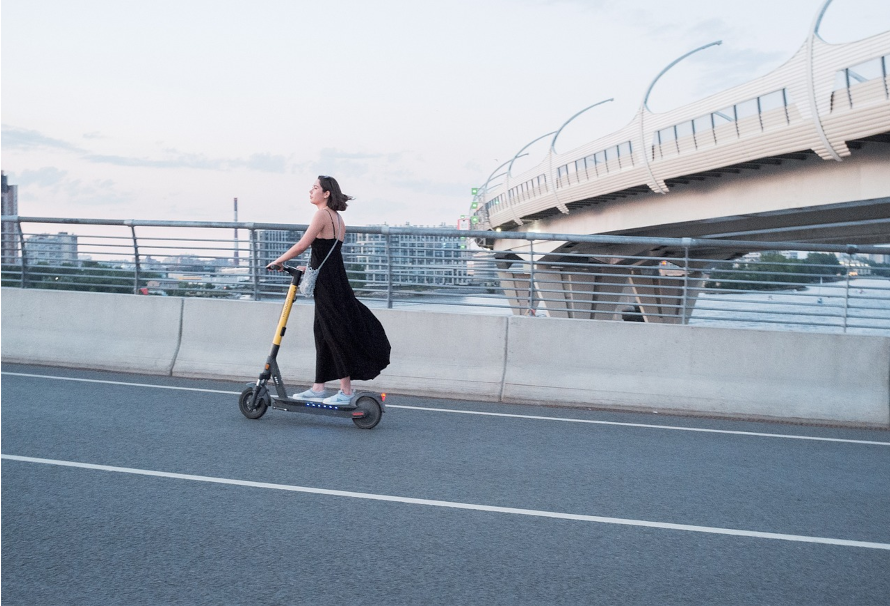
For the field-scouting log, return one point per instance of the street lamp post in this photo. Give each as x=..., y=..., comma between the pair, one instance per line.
x=519, y=154
x=566, y=123
x=644, y=107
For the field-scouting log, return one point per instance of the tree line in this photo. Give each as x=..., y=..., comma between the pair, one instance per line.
x=775, y=271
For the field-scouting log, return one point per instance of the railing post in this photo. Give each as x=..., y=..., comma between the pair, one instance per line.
x=684, y=319
x=847, y=287
x=531, y=277
x=255, y=264
x=18, y=224
x=135, y=258
x=388, y=247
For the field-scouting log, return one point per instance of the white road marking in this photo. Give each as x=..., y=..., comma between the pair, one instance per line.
x=124, y=383
x=492, y=414
x=647, y=426
x=455, y=505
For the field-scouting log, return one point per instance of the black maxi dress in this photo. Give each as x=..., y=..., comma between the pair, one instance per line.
x=349, y=339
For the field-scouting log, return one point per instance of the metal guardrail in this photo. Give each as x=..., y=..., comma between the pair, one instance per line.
x=835, y=290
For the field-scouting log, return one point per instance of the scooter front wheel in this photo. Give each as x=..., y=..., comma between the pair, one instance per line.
x=262, y=403
x=372, y=410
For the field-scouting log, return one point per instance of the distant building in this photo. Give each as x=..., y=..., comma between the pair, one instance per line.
x=272, y=243
x=10, y=207
x=882, y=259
x=417, y=259
x=52, y=248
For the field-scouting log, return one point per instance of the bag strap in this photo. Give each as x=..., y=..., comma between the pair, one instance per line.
x=336, y=239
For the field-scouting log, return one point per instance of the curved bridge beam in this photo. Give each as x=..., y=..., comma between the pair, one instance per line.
x=811, y=84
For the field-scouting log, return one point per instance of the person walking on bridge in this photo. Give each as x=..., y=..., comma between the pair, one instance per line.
x=350, y=342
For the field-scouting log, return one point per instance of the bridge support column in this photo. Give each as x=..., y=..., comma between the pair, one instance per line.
x=565, y=289
x=582, y=292
x=665, y=296
x=516, y=282
x=600, y=289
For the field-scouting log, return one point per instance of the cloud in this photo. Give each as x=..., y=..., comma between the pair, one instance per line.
x=730, y=67
x=426, y=186
x=708, y=29
x=591, y=5
x=22, y=138
x=267, y=163
x=48, y=187
x=395, y=168
x=473, y=167
x=340, y=164
x=196, y=161
x=95, y=193
x=48, y=176
x=263, y=162
x=729, y=64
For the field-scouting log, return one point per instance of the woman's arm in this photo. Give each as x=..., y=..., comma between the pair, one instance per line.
x=300, y=247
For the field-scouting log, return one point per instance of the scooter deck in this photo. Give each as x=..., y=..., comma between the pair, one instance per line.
x=313, y=406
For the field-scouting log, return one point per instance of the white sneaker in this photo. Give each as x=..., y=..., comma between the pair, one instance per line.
x=341, y=399
x=309, y=394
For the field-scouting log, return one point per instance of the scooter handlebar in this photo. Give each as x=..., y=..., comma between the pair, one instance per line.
x=293, y=271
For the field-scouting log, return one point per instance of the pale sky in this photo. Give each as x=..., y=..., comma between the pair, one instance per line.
x=160, y=109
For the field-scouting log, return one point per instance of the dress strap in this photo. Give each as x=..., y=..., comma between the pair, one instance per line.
x=339, y=222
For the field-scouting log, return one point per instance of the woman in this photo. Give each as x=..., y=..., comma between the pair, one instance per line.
x=349, y=340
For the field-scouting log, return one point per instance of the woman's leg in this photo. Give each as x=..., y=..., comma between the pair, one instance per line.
x=346, y=386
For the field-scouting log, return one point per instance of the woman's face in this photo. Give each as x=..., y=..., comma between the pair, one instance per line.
x=317, y=195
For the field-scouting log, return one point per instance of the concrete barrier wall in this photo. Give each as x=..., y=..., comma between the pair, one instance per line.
x=819, y=377
x=830, y=377
x=90, y=330
x=231, y=339
x=444, y=355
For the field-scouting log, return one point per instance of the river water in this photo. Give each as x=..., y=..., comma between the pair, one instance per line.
x=817, y=308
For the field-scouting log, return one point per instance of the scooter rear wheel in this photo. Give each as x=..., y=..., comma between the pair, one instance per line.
x=262, y=404
x=373, y=413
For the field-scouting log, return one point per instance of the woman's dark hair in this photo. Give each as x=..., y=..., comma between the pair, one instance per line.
x=337, y=200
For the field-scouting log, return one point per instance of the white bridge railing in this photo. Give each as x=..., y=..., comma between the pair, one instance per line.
x=810, y=287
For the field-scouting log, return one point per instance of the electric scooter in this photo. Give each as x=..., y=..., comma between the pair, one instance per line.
x=365, y=408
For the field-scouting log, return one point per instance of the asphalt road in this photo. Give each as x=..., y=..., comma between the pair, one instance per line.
x=129, y=489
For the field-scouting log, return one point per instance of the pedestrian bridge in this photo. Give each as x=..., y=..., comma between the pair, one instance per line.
x=799, y=154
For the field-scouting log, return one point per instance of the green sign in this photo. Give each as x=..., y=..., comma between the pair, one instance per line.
x=475, y=190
